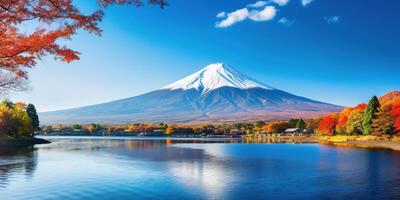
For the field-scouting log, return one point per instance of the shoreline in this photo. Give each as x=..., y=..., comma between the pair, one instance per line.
x=390, y=145
x=9, y=142
x=376, y=142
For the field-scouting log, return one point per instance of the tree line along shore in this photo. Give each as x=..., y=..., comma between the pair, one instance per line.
x=379, y=120
x=380, y=117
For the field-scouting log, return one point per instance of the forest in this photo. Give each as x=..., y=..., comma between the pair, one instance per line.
x=381, y=116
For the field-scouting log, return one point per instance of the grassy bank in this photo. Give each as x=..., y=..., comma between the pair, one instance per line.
x=370, y=141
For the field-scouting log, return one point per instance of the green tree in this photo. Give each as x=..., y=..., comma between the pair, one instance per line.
x=248, y=126
x=76, y=126
x=301, y=124
x=369, y=115
x=260, y=124
x=31, y=110
x=292, y=123
x=163, y=126
x=238, y=126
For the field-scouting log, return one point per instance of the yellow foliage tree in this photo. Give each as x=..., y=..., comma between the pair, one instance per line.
x=169, y=130
x=15, y=121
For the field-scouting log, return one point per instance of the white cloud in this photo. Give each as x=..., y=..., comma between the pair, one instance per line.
x=281, y=2
x=233, y=17
x=306, y=2
x=221, y=15
x=266, y=14
x=258, y=4
x=286, y=21
x=332, y=20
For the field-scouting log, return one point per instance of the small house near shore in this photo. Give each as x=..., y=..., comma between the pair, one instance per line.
x=293, y=130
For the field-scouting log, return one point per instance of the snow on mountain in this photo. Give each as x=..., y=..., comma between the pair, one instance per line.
x=216, y=93
x=216, y=76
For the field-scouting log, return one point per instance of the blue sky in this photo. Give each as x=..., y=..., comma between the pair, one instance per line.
x=340, y=52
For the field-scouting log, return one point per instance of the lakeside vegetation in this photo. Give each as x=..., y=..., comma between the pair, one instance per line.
x=380, y=117
x=17, y=120
x=379, y=120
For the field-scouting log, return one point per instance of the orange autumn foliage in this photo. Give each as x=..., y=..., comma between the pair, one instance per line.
x=344, y=116
x=389, y=97
x=327, y=124
x=275, y=127
x=395, y=113
x=20, y=50
x=360, y=106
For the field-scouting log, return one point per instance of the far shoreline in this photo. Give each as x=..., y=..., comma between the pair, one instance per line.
x=371, y=142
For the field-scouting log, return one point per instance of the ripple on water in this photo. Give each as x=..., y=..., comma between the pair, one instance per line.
x=152, y=169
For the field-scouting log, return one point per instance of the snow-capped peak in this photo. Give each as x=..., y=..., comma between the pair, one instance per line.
x=215, y=76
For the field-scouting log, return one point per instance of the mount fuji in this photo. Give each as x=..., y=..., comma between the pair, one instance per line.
x=217, y=92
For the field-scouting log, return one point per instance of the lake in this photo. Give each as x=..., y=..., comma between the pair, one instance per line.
x=160, y=168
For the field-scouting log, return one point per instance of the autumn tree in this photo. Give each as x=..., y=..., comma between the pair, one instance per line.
x=389, y=97
x=384, y=123
x=8, y=83
x=52, y=20
x=169, y=130
x=276, y=127
x=369, y=115
x=5, y=119
x=355, y=119
x=14, y=120
x=395, y=113
x=327, y=124
x=312, y=124
x=343, y=119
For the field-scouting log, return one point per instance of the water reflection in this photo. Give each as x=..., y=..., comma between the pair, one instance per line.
x=16, y=161
x=154, y=168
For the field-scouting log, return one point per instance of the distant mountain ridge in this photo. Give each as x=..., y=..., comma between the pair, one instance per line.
x=217, y=92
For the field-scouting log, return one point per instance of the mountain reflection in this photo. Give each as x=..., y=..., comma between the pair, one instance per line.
x=178, y=168
x=101, y=143
x=13, y=161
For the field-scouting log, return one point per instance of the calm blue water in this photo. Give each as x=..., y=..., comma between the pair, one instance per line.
x=126, y=168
